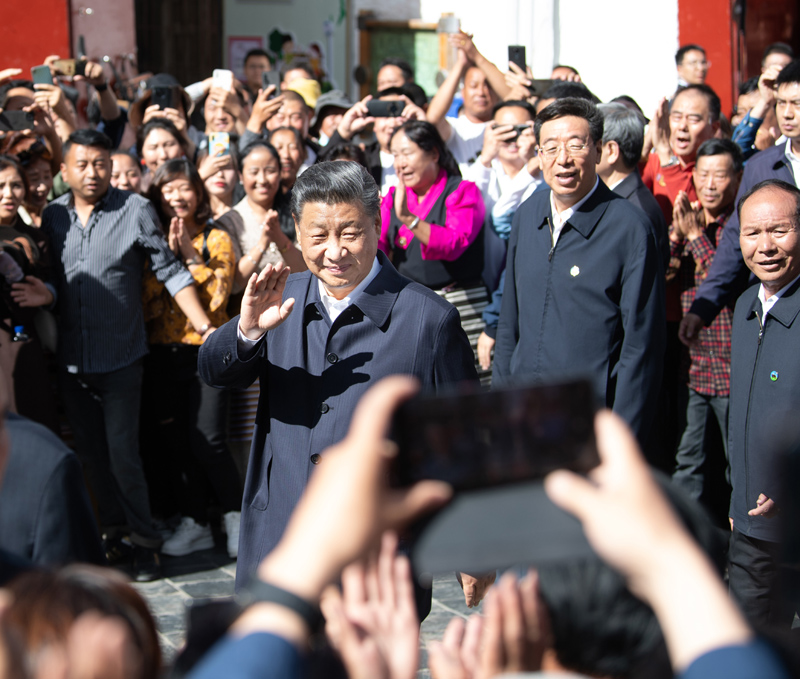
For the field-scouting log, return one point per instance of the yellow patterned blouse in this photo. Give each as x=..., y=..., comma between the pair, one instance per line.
x=166, y=323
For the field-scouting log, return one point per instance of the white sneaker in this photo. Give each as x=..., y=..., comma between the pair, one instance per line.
x=188, y=537
x=232, y=521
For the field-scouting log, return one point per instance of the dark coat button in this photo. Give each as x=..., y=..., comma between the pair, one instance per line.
x=324, y=408
x=332, y=358
x=315, y=458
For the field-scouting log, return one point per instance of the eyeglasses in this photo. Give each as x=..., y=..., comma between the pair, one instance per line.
x=574, y=149
x=695, y=64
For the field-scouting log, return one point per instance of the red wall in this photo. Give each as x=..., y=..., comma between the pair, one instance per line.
x=30, y=30
x=708, y=23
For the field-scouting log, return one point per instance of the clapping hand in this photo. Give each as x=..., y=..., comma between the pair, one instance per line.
x=262, y=305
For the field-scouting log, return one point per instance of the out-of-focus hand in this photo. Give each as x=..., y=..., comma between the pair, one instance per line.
x=9, y=74
x=263, y=109
x=518, y=81
x=659, y=131
x=93, y=74
x=689, y=329
x=485, y=347
x=31, y=292
x=373, y=622
x=475, y=587
x=463, y=42
x=210, y=165
x=355, y=119
x=687, y=218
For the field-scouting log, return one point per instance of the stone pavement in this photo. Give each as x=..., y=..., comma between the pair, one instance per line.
x=210, y=574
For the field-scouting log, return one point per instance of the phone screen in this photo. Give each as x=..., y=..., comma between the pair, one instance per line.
x=481, y=440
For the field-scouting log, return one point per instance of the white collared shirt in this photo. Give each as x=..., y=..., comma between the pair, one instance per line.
x=334, y=306
x=768, y=302
x=794, y=162
x=561, y=218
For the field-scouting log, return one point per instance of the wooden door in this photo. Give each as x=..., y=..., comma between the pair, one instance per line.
x=179, y=37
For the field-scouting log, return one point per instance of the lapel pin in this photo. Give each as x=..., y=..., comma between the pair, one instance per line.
x=774, y=375
x=574, y=271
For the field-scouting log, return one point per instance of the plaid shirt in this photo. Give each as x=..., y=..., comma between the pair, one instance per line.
x=706, y=366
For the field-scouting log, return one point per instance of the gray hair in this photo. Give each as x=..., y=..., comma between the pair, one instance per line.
x=336, y=181
x=625, y=127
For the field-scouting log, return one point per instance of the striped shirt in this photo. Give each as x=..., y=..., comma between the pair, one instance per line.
x=99, y=271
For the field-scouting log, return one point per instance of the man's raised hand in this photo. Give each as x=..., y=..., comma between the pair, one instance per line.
x=263, y=307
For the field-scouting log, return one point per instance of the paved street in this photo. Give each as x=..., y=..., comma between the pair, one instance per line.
x=210, y=574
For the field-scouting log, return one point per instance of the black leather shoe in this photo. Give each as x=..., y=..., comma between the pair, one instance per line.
x=146, y=564
x=117, y=550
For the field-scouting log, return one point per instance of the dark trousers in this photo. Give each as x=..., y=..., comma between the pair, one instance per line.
x=691, y=454
x=103, y=411
x=754, y=577
x=186, y=435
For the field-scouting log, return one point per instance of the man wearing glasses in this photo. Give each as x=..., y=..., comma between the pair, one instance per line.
x=692, y=65
x=583, y=293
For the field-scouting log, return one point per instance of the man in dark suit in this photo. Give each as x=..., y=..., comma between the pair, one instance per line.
x=623, y=139
x=584, y=288
x=45, y=513
x=356, y=320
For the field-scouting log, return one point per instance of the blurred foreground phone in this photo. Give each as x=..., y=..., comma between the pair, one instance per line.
x=516, y=55
x=223, y=78
x=70, y=67
x=495, y=449
x=219, y=144
x=271, y=78
x=538, y=87
x=164, y=97
x=41, y=75
x=15, y=121
x=385, y=109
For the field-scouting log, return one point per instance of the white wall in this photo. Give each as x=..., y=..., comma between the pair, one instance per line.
x=619, y=46
x=303, y=18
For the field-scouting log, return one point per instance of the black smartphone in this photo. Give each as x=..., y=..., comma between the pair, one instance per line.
x=538, y=87
x=385, y=109
x=519, y=129
x=164, y=97
x=15, y=121
x=494, y=449
x=516, y=55
x=271, y=78
x=482, y=440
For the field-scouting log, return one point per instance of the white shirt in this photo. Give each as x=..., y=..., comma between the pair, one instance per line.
x=333, y=307
x=388, y=174
x=559, y=219
x=768, y=302
x=794, y=162
x=500, y=192
x=466, y=141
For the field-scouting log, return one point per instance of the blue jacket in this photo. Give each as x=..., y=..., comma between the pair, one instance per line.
x=728, y=274
x=592, y=306
x=312, y=374
x=764, y=400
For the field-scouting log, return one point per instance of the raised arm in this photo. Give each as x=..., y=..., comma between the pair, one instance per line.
x=440, y=104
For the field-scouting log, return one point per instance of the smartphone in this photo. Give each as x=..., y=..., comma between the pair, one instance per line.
x=482, y=440
x=219, y=144
x=519, y=129
x=41, y=75
x=448, y=24
x=164, y=97
x=538, y=87
x=516, y=55
x=271, y=78
x=222, y=78
x=494, y=450
x=385, y=109
x=15, y=121
x=70, y=67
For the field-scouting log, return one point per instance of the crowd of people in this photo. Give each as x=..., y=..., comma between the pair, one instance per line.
x=171, y=263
